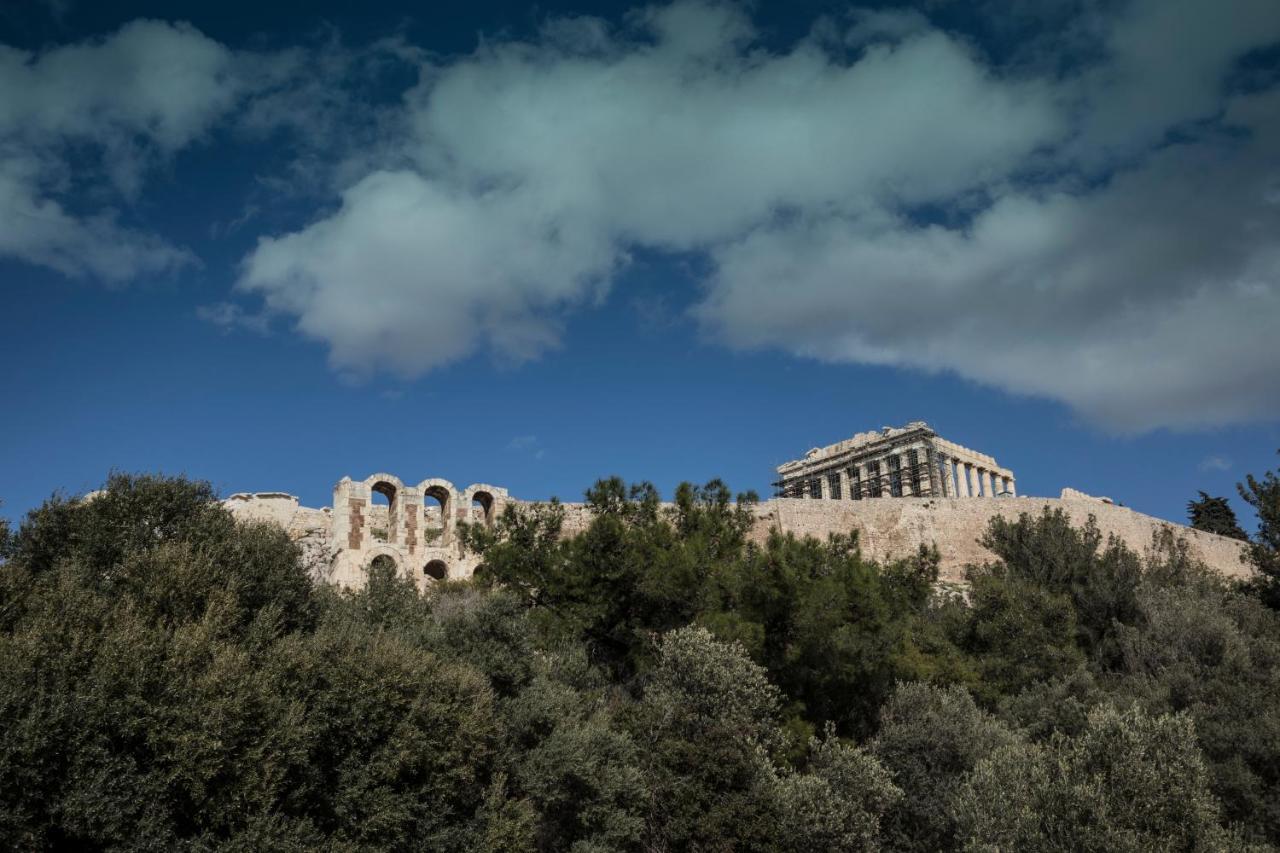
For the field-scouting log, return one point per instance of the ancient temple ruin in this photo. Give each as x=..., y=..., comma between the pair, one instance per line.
x=416, y=528
x=910, y=461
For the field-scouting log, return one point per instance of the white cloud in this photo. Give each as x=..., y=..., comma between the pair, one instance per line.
x=539, y=165
x=409, y=274
x=527, y=444
x=228, y=316
x=106, y=109
x=1150, y=301
x=1104, y=214
x=1136, y=284
x=82, y=127
x=1215, y=463
x=1167, y=63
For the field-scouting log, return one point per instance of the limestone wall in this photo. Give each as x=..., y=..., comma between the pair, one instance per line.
x=887, y=528
x=310, y=528
x=896, y=527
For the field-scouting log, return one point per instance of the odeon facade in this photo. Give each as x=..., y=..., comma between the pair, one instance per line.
x=416, y=529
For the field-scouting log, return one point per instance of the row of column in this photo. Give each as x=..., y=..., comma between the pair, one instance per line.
x=963, y=480
x=886, y=474
x=966, y=480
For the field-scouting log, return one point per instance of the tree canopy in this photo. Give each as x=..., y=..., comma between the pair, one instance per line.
x=173, y=679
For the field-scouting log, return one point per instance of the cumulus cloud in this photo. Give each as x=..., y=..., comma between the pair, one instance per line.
x=83, y=125
x=537, y=166
x=877, y=193
x=1150, y=300
x=1092, y=219
x=109, y=107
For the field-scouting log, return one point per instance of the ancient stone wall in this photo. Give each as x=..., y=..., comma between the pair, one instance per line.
x=896, y=527
x=422, y=542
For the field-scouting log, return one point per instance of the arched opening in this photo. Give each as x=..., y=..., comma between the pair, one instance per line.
x=436, y=569
x=435, y=510
x=482, y=508
x=382, y=564
x=481, y=573
x=382, y=505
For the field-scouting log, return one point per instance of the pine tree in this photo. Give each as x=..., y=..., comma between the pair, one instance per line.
x=1214, y=515
x=1264, y=550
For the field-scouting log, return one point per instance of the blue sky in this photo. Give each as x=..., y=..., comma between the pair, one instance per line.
x=536, y=246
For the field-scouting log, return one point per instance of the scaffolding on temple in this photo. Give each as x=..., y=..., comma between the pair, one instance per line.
x=909, y=461
x=922, y=476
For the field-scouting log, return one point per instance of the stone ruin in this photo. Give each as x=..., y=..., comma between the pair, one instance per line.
x=910, y=461
x=937, y=493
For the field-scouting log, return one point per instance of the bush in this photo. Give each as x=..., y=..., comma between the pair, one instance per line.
x=929, y=739
x=1129, y=782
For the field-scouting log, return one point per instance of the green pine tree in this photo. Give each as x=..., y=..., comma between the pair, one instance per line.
x=1264, y=551
x=1214, y=515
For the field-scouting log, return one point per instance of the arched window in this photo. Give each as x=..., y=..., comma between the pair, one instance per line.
x=382, y=563
x=436, y=569
x=382, y=511
x=436, y=509
x=482, y=508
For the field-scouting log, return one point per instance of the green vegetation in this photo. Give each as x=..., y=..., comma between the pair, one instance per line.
x=1264, y=496
x=170, y=679
x=1214, y=515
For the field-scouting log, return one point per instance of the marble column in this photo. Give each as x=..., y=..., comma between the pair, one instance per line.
x=971, y=474
x=845, y=494
x=951, y=477
x=904, y=475
x=991, y=484
x=1012, y=486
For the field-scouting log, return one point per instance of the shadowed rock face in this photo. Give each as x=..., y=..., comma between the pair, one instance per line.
x=418, y=535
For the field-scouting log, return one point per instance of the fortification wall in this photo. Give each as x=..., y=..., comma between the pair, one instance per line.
x=896, y=527
x=887, y=528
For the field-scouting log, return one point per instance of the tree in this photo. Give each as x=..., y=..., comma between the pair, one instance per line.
x=838, y=804
x=1101, y=582
x=1264, y=551
x=1214, y=515
x=172, y=679
x=707, y=728
x=4, y=537
x=1017, y=632
x=1130, y=783
x=929, y=739
x=1207, y=651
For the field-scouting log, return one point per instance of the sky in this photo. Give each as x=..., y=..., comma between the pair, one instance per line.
x=271, y=245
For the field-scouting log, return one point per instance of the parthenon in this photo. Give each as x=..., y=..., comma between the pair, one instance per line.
x=909, y=461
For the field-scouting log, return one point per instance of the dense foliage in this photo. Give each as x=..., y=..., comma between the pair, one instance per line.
x=1214, y=515
x=171, y=679
x=1263, y=494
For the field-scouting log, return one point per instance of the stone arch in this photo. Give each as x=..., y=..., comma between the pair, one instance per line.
x=444, y=492
x=384, y=480
x=382, y=551
x=488, y=504
x=436, y=569
x=390, y=487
